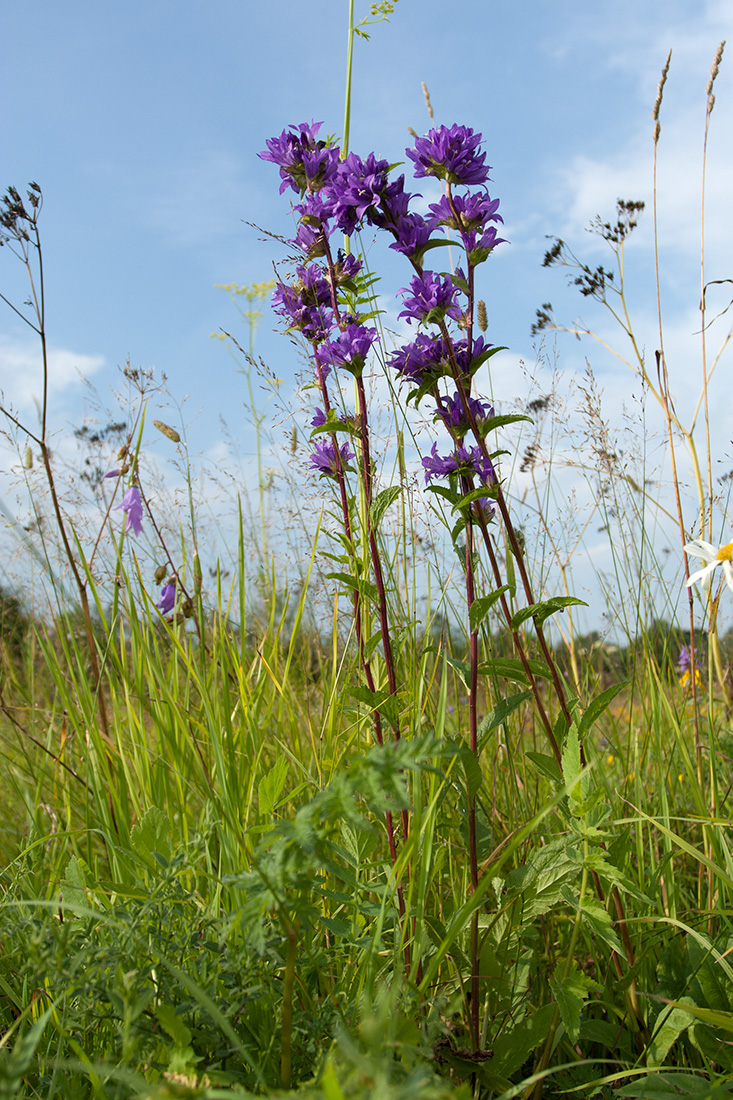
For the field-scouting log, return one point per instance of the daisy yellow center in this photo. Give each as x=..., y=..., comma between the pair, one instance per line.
x=725, y=553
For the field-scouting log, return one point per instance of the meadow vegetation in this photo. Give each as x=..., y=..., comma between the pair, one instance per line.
x=419, y=843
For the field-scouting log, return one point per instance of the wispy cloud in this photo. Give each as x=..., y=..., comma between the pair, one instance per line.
x=21, y=372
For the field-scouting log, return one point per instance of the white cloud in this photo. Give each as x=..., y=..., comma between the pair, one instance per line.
x=21, y=372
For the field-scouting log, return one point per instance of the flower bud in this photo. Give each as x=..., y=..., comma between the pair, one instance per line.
x=168, y=432
x=160, y=573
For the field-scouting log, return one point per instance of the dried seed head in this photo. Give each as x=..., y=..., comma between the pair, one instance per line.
x=168, y=432
x=483, y=322
x=658, y=100
x=428, y=104
x=714, y=69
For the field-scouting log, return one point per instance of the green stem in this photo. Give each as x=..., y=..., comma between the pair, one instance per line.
x=349, y=61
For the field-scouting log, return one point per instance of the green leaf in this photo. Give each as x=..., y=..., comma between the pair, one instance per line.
x=173, y=1024
x=571, y=766
x=463, y=668
x=546, y=765
x=329, y=1083
x=597, y=706
x=499, y=714
x=480, y=608
x=271, y=786
x=571, y=992
x=672, y=1021
x=671, y=1085
x=511, y=669
x=382, y=701
x=381, y=503
x=150, y=837
x=364, y=588
x=74, y=883
x=476, y=494
x=513, y=1048
x=471, y=768
x=495, y=422
x=541, y=611
x=600, y=921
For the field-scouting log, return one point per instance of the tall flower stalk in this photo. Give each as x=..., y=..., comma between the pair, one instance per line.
x=323, y=303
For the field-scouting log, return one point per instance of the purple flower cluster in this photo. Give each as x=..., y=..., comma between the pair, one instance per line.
x=453, y=415
x=323, y=457
x=305, y=163
x=451, y=155
x=464, y=461
x=348, y=193
x=349, y=350
x=429, y=358
x=432, y=299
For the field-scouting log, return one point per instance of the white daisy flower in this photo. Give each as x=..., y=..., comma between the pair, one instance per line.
x=713, y=556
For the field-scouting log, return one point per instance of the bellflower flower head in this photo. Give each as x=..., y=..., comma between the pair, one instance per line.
x=432, y=299
x=323, y=459
x=473, y=210
x=349, y=350
x=452, y=414
x=479, y=245
x=464, y=461
x=450, y=154
x=167, y=600
x=413, y=361
x=412, y=233
x=345, y=270
x=356, y=190
x=305, y=303
x=713, y=557
x=132, y=506
x=480, y=352
x=319, y=418
x=304, y=162
x=313, y=231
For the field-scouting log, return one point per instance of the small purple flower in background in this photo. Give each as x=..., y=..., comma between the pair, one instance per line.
x=685, y=667
x=349, y=350
x=132, y=505
x=452, y=414
x=323, y=459
x=432, y=299
x=319, y=418
x=113, y=473
x=167, y=600
x=450, y=154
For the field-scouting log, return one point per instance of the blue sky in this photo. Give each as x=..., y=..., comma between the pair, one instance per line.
x=142, y=121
